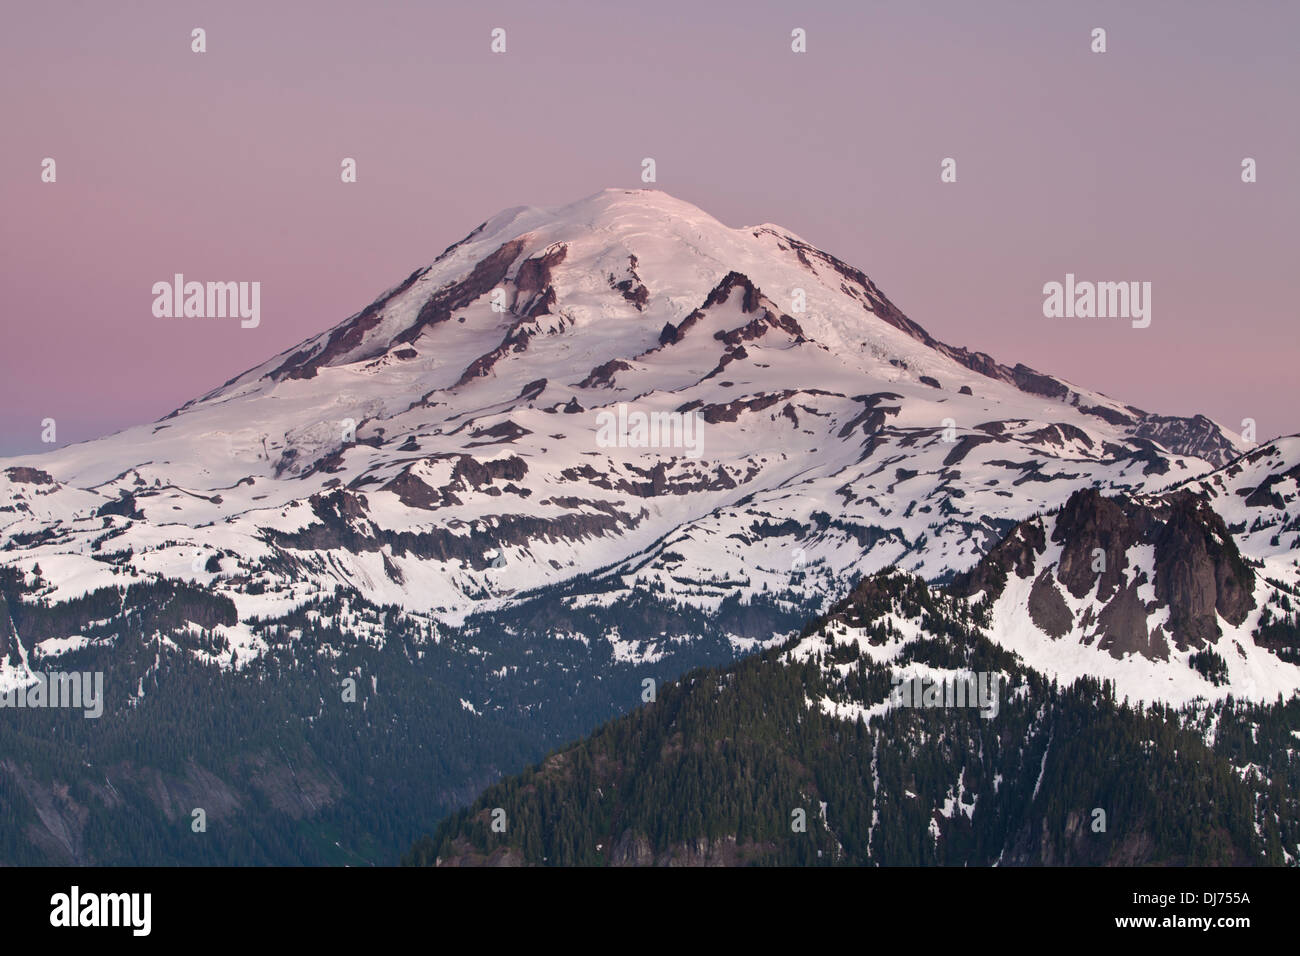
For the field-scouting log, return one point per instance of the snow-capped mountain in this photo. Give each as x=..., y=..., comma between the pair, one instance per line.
x=584, y=451
x=441, y=451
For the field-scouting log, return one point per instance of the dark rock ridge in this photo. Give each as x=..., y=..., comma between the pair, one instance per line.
x=1197, y=572
x=31, y=476
x=343, y=523
x=485, y=276
x=632, y=288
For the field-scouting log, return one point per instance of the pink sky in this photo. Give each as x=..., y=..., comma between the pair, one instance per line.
x=225, y=165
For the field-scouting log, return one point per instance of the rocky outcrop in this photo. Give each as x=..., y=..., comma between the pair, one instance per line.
x=30, y=476
x=1017, y=554
x=1195, y=572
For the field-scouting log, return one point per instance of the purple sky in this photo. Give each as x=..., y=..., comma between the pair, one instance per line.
x=1115, y=166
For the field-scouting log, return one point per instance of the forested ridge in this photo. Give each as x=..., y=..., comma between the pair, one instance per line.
x=285, y=769
x=715, y=769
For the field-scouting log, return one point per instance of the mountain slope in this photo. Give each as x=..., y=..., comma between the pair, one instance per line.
x=814, y=753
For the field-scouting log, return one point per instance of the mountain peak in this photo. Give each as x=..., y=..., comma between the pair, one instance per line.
x=602, y=211
x=466, y=404
x=558, y=293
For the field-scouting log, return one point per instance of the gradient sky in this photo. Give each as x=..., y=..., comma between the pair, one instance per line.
x=225, y=165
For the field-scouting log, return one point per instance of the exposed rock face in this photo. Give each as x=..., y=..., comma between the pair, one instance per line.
x=1188, y=436
x=8, y=638
x=732, y=410
x=1199, y=572
x=31, y=476
x=1087, y=525
x=485, y=276
x=603, y=375
x=732, y=281
x=351, y=334
x=535, y=274
x=533, y=389
x=1106, y=414
x=1266, y=493
x=502, y=856
x=632, y=288
x=1018, y=552
x=534, y=294
x=1121, y=561
x=1048, y=609
x=1123, y=626
x=343, y=522
x=1035, y=383
x=506, y=431
x=124, y=506
x=348, y=335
